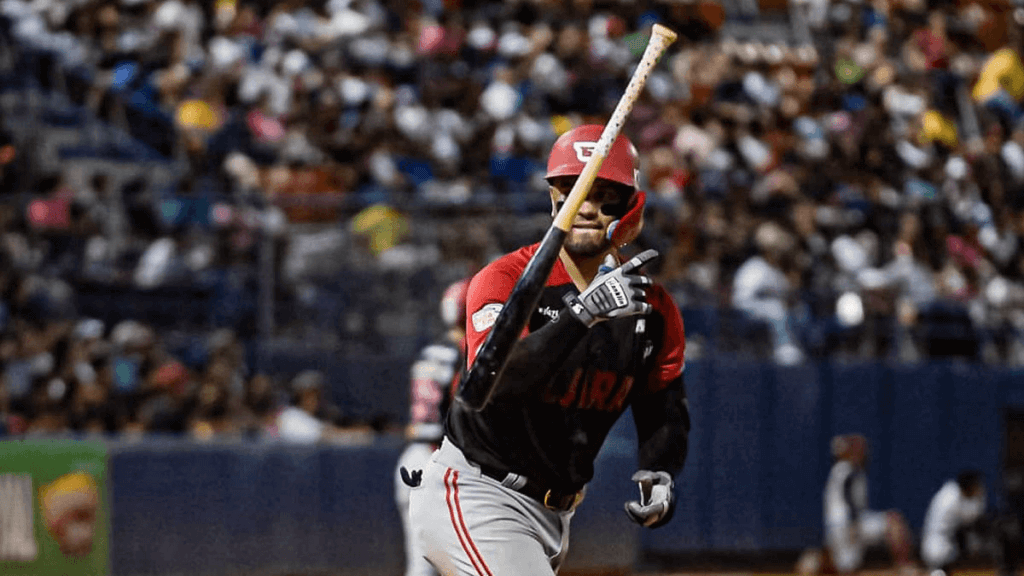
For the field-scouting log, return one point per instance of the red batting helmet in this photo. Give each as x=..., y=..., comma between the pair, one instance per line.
x=453, y=303
x=572, y=150
x=622, y=165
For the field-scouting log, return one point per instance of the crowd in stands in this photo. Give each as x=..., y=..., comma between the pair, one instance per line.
x=855, y=188
x=83, y=377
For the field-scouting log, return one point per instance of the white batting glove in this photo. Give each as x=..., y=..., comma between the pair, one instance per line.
x=617, y=293
x=657, y=501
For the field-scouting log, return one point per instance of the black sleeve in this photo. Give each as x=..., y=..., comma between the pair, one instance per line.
x=663, y=428
x=536, y=358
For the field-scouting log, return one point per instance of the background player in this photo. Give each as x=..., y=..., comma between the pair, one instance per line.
x=498, y=496
x=956, y=508
x=850, y=526
x=431, y=380
x=1008, y=524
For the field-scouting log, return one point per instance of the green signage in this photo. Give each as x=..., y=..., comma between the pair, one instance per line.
x=54, y=508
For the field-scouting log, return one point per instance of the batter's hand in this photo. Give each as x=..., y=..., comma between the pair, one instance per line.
x=614, y=294
x=657, y=503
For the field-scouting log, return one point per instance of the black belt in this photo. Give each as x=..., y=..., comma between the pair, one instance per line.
x=557, y=500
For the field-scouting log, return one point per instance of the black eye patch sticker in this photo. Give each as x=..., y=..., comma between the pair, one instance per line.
x=616, y=210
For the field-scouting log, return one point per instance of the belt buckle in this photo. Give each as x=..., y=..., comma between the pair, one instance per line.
x=577, y=497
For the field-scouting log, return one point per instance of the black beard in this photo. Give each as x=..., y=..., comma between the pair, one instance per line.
x=586, y=248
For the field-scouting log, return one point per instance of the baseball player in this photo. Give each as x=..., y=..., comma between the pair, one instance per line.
x=1008, y=523
x=957, y=507
x=497, y=497
x=850, y=526
x=432, y=378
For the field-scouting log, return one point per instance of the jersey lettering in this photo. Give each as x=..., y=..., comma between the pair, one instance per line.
x=600, y=388
x=597, y=391
x=619, y=400
x=566, y=399
x=549, y=312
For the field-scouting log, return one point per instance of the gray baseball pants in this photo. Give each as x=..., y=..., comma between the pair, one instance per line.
x=468, y=524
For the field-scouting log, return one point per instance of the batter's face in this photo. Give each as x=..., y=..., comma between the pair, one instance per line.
x=606, y=203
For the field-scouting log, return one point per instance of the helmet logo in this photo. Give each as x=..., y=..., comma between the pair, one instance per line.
x=584, y=150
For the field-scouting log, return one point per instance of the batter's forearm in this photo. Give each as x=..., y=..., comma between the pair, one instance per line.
x=663, y=429
x=536, y=358
x=666, y=449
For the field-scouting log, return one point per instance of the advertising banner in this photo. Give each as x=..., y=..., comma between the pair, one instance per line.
x=54, y=515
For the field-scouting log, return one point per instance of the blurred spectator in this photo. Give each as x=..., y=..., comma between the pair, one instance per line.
x=1000, y=85
x=310, y=418
x=763, y=290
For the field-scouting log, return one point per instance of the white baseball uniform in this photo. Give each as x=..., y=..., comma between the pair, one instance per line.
x=850, y=527
x=949, y=511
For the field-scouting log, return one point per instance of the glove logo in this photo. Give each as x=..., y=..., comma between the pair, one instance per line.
x=617, y=292
x=584, y=150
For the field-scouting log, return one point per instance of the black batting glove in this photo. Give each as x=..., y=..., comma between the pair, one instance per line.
x=657, y=502
x=617, y=293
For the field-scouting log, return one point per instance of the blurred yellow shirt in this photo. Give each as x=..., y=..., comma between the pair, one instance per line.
x=937, y=128
x=1003, y=69
x=383, y=225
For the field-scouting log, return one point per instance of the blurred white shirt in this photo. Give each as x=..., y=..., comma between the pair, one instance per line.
x=297, y=425
x=756, y=283
x=950, y=510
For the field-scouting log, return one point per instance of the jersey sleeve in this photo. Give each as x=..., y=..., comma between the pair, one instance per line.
x=670, y=359
x=488, y=291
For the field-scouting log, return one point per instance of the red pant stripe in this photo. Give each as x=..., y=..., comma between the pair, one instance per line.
x=462, y=521
x=455, y=524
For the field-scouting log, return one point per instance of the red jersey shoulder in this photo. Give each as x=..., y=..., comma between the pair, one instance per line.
x=662, y=302
x=495, y=281
x=511, y=265
x=672, y=355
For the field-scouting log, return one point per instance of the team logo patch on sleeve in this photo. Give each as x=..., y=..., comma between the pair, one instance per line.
x=485, y=317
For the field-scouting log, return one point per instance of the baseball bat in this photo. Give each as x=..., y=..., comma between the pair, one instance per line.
x=478, y=386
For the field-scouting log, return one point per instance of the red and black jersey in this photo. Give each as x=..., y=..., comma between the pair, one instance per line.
x=553, y=433
x=432, y=379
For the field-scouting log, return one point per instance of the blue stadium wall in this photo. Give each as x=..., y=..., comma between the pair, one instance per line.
x=758, y=460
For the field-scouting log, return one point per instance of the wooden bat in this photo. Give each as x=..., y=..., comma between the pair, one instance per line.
x=478, y=386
